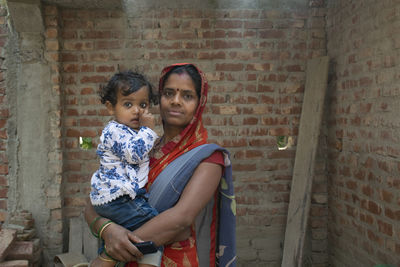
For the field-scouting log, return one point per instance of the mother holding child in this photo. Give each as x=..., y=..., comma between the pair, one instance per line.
x=189, y=182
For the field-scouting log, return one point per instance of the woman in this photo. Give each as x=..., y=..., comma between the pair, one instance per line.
x=183, y=94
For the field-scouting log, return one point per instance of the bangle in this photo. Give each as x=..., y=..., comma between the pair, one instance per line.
x=104, y=259
x=104, y=227
x=108, y=255
x=92, y=224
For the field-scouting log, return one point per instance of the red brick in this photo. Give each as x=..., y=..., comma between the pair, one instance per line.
x=221, y=44
x=77, y=178
x=21, y=250
x=7, y=237
x=394, y=215
x=75, y=202
x=71, y=68
x=228, y=24
x=105, y=69
x=3, y=192
x=94, y=79
x=66, y=57
x=177, y=35
x=3, y=169
x=351, y=185
x=113, y=44
x=272, y=34
x=69, y=35
x=50, y=10
x=52, y=45
x=386, y=196
x=3, y=205
x=229, y=67
x=51, y=21
x=78, y=46
x=87, y=91
x=78, y=24
x=51, y=33
x=385, y=228
x=367, y=190
x=90, y=122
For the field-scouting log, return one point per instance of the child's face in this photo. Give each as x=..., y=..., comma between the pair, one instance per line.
x=130, y=108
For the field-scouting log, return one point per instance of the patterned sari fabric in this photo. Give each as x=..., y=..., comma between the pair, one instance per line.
x=184, y=253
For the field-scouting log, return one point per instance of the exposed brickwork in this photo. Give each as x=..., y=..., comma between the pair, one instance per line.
x=4, y=114
x=53, y=242
x=255, y=61
x=363, y=136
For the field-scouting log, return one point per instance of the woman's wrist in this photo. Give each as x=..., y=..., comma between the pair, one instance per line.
x=92, y=225
x=98, y=226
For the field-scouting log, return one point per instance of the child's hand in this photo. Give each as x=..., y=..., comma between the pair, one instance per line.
x=147, y=119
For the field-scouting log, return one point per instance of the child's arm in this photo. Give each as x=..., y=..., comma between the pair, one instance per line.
x=130, y=147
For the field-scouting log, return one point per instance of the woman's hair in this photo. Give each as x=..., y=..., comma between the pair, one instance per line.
x=127, y=82
x=191, y=71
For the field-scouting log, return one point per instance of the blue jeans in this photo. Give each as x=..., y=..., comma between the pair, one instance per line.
x=127, y=212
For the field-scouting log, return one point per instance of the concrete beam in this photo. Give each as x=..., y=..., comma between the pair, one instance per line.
x=87, y=4
x=26, y=16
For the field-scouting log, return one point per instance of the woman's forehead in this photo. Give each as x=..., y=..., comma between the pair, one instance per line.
x=182, y=81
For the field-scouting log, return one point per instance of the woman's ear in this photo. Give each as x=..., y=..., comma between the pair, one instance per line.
x=110, y=107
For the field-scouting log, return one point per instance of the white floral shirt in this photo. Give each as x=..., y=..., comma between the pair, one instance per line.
x=124, y=162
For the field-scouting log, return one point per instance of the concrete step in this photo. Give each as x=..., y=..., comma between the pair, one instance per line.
x=17, y=263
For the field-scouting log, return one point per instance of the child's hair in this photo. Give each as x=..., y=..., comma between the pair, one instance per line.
x=190, y=70
x=127, y=82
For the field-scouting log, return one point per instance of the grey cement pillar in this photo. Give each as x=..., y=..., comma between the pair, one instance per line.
x=33, y=184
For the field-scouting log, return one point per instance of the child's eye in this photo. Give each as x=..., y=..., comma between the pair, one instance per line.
x=127, y=104
x=143, y=105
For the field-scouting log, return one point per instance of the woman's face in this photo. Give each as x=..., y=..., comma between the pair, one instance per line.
x=179, y=101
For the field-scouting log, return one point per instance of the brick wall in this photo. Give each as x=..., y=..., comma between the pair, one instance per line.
x=255, y=61
x=363, y=136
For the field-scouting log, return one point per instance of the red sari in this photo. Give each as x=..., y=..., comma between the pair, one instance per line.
x=183, y=253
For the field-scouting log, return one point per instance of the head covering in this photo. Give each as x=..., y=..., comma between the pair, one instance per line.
x=192, y=136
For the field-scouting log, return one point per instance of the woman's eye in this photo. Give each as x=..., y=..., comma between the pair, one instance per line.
x=167, y=93
x=188, y=97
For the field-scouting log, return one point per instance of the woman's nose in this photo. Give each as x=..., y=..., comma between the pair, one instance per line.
x=176, y=98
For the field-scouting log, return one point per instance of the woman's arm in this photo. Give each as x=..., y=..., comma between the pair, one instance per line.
x=198, y=192
x=165, y=227
x=117, y=235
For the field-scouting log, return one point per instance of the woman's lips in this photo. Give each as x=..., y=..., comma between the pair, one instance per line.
x=174, y=112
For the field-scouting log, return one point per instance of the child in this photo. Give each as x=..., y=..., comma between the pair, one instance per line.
x=117, y=187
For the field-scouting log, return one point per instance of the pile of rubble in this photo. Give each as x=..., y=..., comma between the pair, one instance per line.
x=19, y=246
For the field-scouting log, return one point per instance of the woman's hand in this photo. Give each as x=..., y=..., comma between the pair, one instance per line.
x=118, y=240
x=118, y=243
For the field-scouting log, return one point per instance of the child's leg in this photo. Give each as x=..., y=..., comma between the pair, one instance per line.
x=131, y=214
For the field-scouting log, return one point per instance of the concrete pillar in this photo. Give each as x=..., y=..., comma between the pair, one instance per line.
x=34, y=185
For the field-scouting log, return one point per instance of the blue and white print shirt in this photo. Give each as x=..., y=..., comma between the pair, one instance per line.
x=124, y=162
